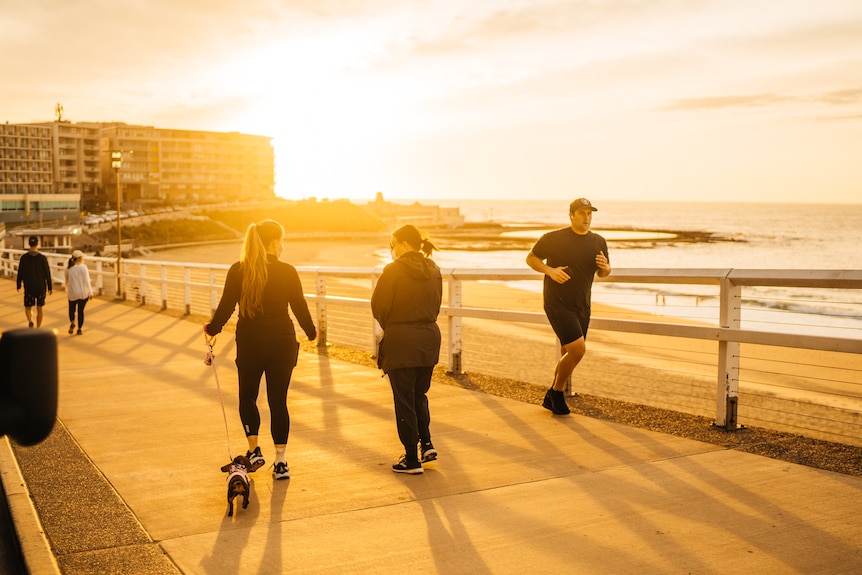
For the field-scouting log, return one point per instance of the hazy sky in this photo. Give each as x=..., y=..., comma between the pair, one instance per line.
x=721, y=100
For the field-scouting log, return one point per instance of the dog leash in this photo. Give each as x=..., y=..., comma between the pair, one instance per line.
x=209, y=359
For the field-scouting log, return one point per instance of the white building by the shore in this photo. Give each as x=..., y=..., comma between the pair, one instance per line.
x=420, y=215
x=58, y=240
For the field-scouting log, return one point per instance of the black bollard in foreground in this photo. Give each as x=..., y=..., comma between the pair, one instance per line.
x=28, y=384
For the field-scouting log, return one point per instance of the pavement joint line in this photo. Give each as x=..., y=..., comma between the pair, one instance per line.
x=32, y=539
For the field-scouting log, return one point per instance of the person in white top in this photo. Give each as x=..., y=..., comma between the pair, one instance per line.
x=78, y=289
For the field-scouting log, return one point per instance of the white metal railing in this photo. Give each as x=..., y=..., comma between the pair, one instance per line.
x=196, y=288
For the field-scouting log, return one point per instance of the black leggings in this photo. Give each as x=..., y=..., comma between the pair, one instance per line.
x=409, y=388
x=77, y=304
x=276, y=360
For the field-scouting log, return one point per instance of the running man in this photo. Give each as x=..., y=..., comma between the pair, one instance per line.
x=569, y=258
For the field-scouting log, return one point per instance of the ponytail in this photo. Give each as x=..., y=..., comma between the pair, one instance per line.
x=255, y=269
x=414, y=238
x=427, y=247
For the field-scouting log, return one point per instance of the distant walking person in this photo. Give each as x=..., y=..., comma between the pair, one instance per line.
x=35, y=273
x=265, y=289
x=569, y=258
x=79, y=290
x=406, y=302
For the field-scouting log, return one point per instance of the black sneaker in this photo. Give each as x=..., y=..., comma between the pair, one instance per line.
x=281, y=471
x=80, y=331
x=559, y=400
x=555, y=401
x=404, y=466
x=427, y=452
x=71, y=328
x=255, y=459
x=548, y=403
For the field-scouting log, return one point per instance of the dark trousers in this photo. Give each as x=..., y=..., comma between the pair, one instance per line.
x=276, y=360
x=409, y=388
x=77, y=305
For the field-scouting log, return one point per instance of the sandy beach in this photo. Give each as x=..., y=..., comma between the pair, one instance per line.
x=812, y=393
x=311, y=252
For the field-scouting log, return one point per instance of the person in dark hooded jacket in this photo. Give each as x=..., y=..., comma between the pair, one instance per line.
x=406, y=302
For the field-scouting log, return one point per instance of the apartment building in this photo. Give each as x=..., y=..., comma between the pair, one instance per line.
x=55, y=170
x=187, y=166
x=76, y=166
x=29, y=191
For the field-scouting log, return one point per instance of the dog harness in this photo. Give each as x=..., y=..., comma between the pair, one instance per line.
x=236, y=470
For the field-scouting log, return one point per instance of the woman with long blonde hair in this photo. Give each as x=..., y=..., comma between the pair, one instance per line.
x=265, y=289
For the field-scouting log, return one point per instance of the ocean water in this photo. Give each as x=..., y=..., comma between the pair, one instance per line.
x=763, y=236
x=746, y=236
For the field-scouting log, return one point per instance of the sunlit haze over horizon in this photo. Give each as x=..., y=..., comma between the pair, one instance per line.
x=662, y=100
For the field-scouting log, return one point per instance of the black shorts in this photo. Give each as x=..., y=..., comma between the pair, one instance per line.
x=569, y=325
x=31, y=299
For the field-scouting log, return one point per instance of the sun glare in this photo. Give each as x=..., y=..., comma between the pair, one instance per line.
x=325, y=119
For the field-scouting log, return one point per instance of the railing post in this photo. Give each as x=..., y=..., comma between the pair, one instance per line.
x=187, y=290
x=727, y=385
x=100, y=282
x=455, y=326
x=56, y=266
x=143, y=268
x=121, y=288
x=164, y=275
x=320, y=290
x=376, y=330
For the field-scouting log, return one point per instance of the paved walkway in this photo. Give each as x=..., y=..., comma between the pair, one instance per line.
x=516, y=490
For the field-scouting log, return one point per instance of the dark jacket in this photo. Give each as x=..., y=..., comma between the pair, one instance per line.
x=35, y=273
x=406, y=302
x=283, y=290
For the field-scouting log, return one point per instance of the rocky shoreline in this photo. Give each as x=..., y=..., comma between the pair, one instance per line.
x=213, y=228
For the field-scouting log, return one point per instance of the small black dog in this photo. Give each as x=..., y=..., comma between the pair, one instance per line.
x=237, y=481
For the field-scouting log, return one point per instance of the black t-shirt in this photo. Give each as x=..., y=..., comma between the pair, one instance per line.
x=562, y=248
x=35, y=273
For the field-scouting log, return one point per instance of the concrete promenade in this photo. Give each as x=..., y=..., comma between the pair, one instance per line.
x=129, y=481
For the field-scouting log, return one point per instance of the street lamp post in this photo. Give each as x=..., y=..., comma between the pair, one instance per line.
x=117, y=163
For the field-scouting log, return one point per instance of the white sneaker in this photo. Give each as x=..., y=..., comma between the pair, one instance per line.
x=255, y=458
x=281, y=471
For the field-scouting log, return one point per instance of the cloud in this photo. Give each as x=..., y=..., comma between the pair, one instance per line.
x=718, y=102
x=522, y=28
x=821, y=33
x=103, y=38
x=839, y=118
x=833, y=98
x=840, y=97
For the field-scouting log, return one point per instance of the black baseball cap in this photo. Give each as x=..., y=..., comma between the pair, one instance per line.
x=580, y=204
